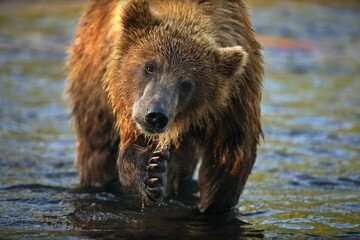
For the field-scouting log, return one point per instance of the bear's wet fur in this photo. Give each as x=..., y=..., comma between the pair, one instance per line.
x=156, y=86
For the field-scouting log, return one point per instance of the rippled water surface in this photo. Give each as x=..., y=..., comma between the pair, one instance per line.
x=305, y=183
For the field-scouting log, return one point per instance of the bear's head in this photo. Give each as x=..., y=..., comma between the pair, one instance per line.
x=167, y=73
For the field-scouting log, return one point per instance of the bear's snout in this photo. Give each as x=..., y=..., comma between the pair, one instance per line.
x=156, y=118
x=155, y=110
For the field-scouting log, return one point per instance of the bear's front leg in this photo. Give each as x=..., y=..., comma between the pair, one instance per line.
x=222, y=177
x=144, y=170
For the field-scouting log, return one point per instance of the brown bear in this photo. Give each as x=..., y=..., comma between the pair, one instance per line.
x=158, y=85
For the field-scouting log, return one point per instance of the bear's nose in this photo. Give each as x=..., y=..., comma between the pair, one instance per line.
x=157, y=117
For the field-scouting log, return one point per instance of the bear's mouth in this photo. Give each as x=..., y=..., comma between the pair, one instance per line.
x=150, y=130
x=154, y=131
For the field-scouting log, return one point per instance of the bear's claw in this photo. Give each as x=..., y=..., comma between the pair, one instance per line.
x=157, y=175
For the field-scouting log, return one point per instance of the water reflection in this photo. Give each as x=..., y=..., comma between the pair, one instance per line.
x=103, y=215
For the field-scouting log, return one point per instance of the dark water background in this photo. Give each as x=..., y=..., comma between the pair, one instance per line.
x=305, y=183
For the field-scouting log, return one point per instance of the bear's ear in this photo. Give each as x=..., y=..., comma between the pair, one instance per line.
x=137, y=15
x=231, y=60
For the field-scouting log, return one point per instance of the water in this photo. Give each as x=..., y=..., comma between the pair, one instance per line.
x=305, y=183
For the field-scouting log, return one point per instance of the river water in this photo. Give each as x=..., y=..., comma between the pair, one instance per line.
x=305, y=183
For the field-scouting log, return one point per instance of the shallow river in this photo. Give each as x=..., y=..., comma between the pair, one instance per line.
x=305, y=183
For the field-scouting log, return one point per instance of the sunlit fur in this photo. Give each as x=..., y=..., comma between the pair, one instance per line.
x=210, y=41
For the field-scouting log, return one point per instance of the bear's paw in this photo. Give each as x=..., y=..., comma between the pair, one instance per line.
x=156, y=176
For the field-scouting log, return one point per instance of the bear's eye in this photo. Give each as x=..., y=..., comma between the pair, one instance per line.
x=186, y=86
x=149, y=69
